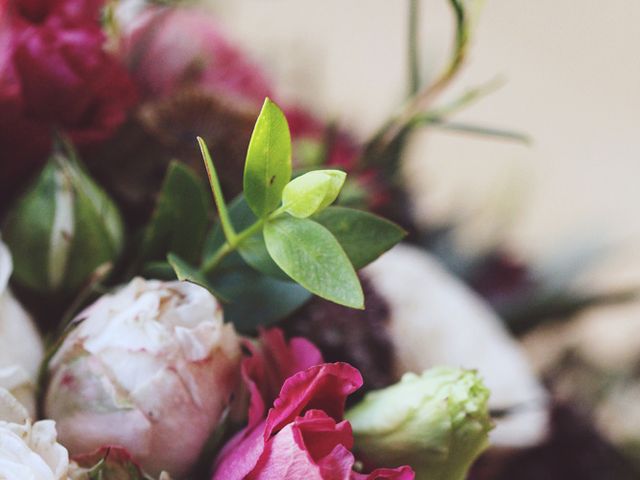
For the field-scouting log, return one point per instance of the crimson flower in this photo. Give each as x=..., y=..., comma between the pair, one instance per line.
x=55, y=75
x=304, y=434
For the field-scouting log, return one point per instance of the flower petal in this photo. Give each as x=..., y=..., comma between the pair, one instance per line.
x=324, y=387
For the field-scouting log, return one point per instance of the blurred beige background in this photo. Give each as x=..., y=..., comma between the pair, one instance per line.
x=572, y=72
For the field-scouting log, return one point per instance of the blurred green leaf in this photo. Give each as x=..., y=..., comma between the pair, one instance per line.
x=188, y=273
x=179, y=222
x=363, y=235
x=255, y=299
x=268, y=165
x=311, y=255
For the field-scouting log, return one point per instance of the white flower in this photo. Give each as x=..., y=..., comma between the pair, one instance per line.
x=28, y=451
x=437, y=320
x=152, y=368
x=20, y=344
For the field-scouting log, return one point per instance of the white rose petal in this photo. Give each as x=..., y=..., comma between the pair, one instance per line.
x=28, y=451
x=21, y=348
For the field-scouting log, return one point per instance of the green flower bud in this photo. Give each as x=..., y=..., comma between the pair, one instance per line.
x=62, y=228
x=437, y=422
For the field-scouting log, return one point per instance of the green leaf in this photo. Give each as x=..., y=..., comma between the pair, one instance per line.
x=312, y=256
x=179, y=222
x=255, y=299
x=160, y=270
x=312, y=192
x=189, y=273
x=363, y=236
x=268, y=166
x=253, y=250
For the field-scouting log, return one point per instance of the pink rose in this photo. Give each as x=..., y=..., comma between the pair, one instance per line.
x=170, y=48
x=271, y=361
x=303, y=435
x=55, y=75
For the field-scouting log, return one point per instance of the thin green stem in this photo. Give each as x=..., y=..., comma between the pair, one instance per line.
x=231, y=245
x=413, y=50
x=214, y=181
x=423, y=98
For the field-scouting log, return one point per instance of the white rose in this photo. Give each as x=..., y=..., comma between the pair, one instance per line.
x=28, y=451
x=20, y=344
x=437, y=320
x=151, y=367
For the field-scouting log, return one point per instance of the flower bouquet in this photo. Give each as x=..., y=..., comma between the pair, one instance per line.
x=205, y=265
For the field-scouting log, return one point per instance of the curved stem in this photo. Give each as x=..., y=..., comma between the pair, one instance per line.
x=214, y=181
x=231, y=246
x=413, y=51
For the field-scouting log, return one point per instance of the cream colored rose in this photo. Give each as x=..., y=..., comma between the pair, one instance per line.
x=28, y=451
x=151, y=367
x=20, y=344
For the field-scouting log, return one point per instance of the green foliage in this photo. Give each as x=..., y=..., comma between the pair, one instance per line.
x=253, y=298
x=180, y=220
x=253, y=249
x=363, y=235
x=188, y=273
x=312, y=256
x=265, y=257
x=268, y=166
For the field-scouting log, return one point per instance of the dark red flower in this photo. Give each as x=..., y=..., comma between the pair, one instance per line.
x=55, y=76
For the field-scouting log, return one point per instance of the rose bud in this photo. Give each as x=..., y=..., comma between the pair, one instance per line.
x=150, y=367
x=29, y=450
x=437, y=320
x=62, y=229
x=20, y=344
x=303, y=434
x=437, y=422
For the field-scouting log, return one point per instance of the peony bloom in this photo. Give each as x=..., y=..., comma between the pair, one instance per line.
x=168, y=49
x=28, y=451
x=55, y=75
x=21, y=348
x=429, y=310
x=151, y=367
x=437, y=422
x=303, y=435
x=62, y=229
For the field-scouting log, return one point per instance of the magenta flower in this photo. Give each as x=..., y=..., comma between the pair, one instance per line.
x=303, y=435
x=271, y=361
x=167, y=49
x=55, y=75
